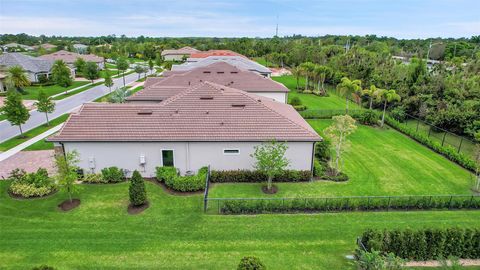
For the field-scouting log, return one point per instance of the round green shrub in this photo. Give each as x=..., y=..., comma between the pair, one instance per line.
x=113, y=175
x=251, y=263
x=295, y=101
x=29, y=185
x=368, y=117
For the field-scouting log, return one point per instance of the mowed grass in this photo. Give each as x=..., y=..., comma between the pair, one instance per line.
x=32, y=91
x=174, y=233
x=378, y=162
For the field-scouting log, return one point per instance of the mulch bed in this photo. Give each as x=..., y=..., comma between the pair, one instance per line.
x=171, y=191
x=68, y=205
x=133, y=210
x=273, y=190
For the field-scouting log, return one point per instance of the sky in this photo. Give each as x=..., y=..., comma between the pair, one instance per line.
x=241, y=18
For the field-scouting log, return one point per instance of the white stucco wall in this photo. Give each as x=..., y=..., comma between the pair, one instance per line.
x=188, y=156
x=280, y=97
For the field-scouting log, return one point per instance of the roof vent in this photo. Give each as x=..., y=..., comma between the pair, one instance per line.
x=234, y=72
x=207, y=72
x=145, y=112
x=206, y=97
x=238, y=105
x=221, y=123
x=220, y=72
x=176, y=110
x=207, y=112
x=259, y=100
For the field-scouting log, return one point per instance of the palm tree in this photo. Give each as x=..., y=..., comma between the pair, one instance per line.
x=307, y=70
x=296, y=72
x=321, y=73
x=16, y=78
x=347, y=87
x=370, y=92
x=386, y=96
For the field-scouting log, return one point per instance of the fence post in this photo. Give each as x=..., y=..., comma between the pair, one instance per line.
x=429, y=130
x=418, y=123
x=388, y=207
x=444, y=134
x=460, y=145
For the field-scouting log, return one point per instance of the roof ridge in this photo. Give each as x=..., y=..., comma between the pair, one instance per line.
x=180, y=94
x=256, y=99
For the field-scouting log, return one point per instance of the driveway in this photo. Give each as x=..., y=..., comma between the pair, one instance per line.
x=30, y=161
x=63, y=106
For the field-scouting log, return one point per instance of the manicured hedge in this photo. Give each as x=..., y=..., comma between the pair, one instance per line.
x=113, y=175
x=338, y=204
x=169, y=176
x=447, y=151
x=425, y=244
x=256, y=176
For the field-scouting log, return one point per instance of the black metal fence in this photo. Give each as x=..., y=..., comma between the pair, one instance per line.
x=340, y=204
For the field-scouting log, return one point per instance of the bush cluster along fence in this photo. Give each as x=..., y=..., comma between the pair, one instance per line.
x=234, y=206
x=326, y=114
x=423, y=244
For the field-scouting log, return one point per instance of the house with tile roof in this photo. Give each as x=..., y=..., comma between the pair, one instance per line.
x=178, y=54
x=16, y=47
x=70, y=57
x=157, y=89
x=205, y=124
x=34, y=67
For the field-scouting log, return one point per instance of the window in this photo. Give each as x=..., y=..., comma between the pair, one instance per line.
x=231, y=151
x=167, y=158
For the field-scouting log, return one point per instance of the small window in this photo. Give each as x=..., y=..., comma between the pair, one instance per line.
x=167, y=158
x=231, y=151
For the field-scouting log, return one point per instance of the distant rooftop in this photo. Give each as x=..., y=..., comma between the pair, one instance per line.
x=240, y=62
x=71, y=57
x=28, y=63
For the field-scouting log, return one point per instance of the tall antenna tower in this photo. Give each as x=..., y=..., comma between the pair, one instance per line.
x=276, y=28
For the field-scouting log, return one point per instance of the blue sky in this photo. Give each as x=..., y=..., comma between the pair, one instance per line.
x=223, y=18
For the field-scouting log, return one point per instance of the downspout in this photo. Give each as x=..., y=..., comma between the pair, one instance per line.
x=188, y=157
x=312, y=161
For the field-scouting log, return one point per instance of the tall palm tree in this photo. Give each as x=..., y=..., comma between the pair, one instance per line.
x=307, y=70
x=321, y=73
x=370, y=93
x=347, y=87
x=386, y=96
x=16, y=78
x=296, y=72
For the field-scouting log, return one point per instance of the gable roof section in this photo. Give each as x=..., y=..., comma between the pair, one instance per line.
x=240, y=62
x=70, y=57
x=182, y=51
x=28, y=63
x=205, y=112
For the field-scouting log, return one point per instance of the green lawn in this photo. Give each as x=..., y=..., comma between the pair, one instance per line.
x=110, y=66
x=174, y=233
x=379, y=162
x=4, y=146
x=69, y=94
x=32, y=91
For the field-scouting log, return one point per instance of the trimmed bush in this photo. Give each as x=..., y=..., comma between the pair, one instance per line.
x=113, y=175
x=300, y=107
x=136, y=190
x=93, y=178
x=44, y=267
x=295, y=101
x=426, y=244
x=322, y=150
x=256, y=176
x=368, y=117
x=169, y=175
x=250, y=263
x=339, y=204
x=29, y=185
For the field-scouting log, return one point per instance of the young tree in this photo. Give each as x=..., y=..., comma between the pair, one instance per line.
x=347, y=87
x=91, y=71
x=67, y=172
x=122, y=65
x=45, y=104
x=270, y=159
x=16, y=78
x=136, y=190
x=370, y=93
x=158, y=60
x=139, y=70
x=61, y=74
x=386, y=96
x=108, y=80
x=79, y=65
x=14, y=110
x=150, y=65
x=342, y=126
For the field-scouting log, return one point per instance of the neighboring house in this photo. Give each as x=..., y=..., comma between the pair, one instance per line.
x=157, y=88
x=70, y=57
x=207, y=124
x=33, y=66
x=3, y=86
x=14, y=47
x=80, y=48
x=241, y=62
x=178, y=55
x=46, y=46
x=195, y=56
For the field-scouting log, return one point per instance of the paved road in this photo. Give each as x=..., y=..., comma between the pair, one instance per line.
x=63, y=106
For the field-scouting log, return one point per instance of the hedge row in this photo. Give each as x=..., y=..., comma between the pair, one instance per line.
x=449, y=152
x=256, y=176
x=259, y=206
x=169, y=176
x=425, y=244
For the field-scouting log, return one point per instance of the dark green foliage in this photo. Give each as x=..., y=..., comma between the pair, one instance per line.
x=91, y=71
x=300, y=107
x=169, y=175
x=398, y=113
x=137, y=192
x=28, y=185
x=43, y=267
x=368, y=117
x=427, y=244
x=322, y=150
x=336, y=204
x=251, y=263
x=16, y=113
x=256, y=176
x=295, y=101
x=113, y=175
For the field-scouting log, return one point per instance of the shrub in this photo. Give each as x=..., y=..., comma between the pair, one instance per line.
x=136, y=190
x=368, y=117
x=29, y=185
x=318, y=168
x=425, y=244
x=44, y=267
x=300, y=107
x=398, y=113
x=256, y=176
x=295, y=101
x=93, y=178
x=374, y=260
x=170, y=177
x=250, y=263
x=322, y=150
x=113, y=175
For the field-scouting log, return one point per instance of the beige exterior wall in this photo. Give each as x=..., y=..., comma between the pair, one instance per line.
x=188, y=156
